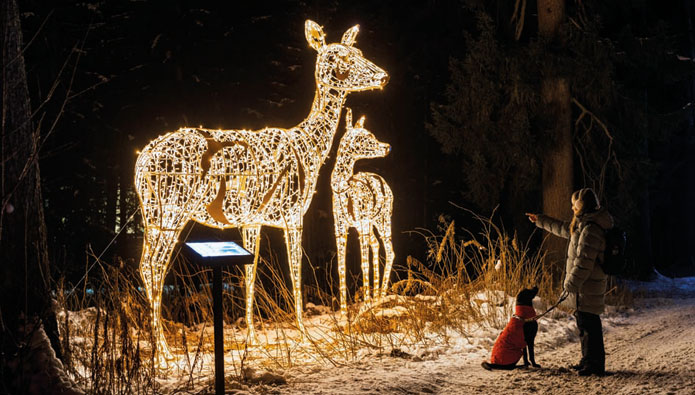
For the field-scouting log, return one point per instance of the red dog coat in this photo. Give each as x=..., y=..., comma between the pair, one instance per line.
x=510, y=344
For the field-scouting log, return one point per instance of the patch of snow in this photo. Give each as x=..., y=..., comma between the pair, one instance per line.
x=663, y=286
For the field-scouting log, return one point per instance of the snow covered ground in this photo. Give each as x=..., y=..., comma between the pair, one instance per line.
x=650, y=350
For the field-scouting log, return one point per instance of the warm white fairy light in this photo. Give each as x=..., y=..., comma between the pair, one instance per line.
x=246, y=179
x=363, y=201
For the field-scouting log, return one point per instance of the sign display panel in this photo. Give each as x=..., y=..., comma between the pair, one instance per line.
x=212, y=249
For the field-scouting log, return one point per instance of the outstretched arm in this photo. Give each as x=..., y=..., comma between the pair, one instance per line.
x=550, y=224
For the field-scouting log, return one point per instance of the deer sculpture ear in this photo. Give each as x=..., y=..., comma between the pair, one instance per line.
x=348, y=118
x=350, y=36
x=314, y=34
x=360, y=122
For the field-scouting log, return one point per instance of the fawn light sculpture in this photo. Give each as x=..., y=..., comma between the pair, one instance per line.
x=363, y=201
x=246, y=179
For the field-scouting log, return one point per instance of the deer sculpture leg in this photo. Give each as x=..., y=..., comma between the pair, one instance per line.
x=388, y=249
x=374, y=244
x=157, y=248
x=251, y=237
x=383, y=225
x=341, y=242
x=364, y=250
x=293, y=241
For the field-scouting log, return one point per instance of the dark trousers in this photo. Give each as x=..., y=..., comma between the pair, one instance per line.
x=591, y=335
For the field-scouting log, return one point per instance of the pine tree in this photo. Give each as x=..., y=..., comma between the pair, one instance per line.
x=498, y=119
x=488, y=121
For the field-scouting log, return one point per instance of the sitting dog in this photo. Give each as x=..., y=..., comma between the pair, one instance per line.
x=518, y=336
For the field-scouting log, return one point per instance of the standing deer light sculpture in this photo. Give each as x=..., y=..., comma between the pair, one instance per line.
x=245, y=179
x=362, y=201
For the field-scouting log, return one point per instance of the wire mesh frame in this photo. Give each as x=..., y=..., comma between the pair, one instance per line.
x=245, y=179
x=363, y=201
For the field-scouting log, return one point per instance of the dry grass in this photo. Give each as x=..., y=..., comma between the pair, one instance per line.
x=467, y=280
x=464, y=280
x=102, y=333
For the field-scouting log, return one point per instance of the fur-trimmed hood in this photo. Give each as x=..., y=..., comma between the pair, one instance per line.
x=600, y=217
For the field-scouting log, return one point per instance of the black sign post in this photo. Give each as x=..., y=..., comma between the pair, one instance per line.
x=216, y=254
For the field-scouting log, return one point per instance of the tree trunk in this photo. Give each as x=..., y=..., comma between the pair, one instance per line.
x=558, y=170
x=557, y=167
x=26, y=278
x=551, y=14
x=25, y=302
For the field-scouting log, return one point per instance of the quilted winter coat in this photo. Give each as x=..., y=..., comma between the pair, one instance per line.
x=584, y=278
x=509, y=346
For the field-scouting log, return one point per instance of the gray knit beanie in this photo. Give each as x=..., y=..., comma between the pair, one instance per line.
x=587, y=200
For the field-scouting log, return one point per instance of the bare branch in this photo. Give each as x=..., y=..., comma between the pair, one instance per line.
x=36, y=34
x=575, y=23
x=518, y=18
x=37, y=140
x=610, y=155
x=21, y=52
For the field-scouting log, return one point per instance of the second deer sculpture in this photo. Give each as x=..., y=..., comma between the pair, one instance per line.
x=363, y=201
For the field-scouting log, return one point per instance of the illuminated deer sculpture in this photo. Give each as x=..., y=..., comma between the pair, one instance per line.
x=246, y=179
x=362, y=201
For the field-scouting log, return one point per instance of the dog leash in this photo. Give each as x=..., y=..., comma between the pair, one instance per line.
x=563, y=296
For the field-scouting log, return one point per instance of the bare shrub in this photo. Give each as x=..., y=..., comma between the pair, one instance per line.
x=464, y=282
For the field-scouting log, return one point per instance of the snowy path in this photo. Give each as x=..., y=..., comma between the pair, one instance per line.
x=650, y=350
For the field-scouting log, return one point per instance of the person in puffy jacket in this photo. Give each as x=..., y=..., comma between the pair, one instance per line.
x=584, y=281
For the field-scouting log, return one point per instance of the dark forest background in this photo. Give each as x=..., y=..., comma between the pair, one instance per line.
x=463, y=111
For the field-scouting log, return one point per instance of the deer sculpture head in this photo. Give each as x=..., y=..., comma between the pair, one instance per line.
x=340, y=66
x=360, y=143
